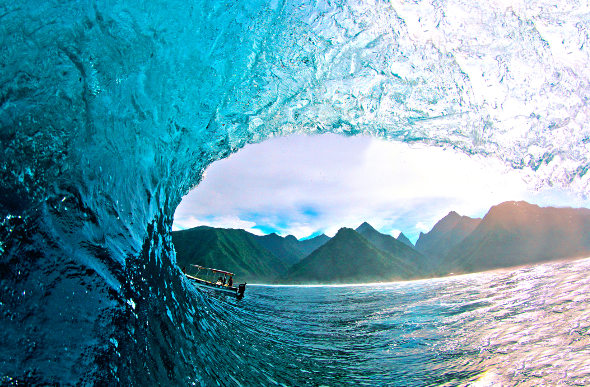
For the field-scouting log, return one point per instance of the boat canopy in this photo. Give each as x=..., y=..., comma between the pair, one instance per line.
x=213, y=270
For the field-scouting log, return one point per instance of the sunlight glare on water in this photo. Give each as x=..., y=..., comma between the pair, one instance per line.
x=110, y=112
x=528, y=325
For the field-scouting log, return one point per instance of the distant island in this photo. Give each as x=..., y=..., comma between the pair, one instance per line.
x=510, y=234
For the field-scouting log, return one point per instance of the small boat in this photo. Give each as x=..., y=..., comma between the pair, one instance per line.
x=224, y=283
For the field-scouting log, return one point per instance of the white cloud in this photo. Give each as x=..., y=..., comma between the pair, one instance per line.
x=300, y=185
x=422, y=227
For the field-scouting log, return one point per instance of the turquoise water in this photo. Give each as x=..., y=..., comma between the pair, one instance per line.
x=530, y=325
x=111, y=111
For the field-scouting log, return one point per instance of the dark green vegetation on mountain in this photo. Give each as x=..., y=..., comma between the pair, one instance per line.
x=518, y=233
x=250, y=257
x=510, y=234
x=404, y=239
x=349, y=257
x=289, y=249
x=286, y=249
x=395, y=248
x=309, y=245
x=446, y=233
x=237, y=251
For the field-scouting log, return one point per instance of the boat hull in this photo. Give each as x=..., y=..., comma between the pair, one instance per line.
x=237, y=292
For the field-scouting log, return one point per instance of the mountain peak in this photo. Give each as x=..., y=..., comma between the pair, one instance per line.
x=365, y=227
x=350, y=258
x=513, y=205
x=445, y=234
x=516, y=232
x=451, y=220
x=319, y=236
x=404, y=239
x=344, y=231
x=516, y=203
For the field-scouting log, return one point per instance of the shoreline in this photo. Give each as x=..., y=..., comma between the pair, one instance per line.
x=447, y=277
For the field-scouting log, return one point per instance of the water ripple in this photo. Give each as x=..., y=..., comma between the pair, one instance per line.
x=527, y=326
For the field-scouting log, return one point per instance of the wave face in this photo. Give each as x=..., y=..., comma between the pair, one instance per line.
x=110, y=111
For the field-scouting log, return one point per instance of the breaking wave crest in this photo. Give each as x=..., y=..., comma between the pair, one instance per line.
x=111, y=111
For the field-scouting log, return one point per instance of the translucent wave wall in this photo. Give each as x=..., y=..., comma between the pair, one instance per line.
x=110, y=111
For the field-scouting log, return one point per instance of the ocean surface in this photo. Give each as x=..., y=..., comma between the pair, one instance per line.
x=111, y=111
x=528, y=326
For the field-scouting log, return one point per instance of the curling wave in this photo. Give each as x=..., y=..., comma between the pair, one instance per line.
x=110, y=111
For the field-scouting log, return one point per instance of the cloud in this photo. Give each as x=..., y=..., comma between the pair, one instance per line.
x=422, y=227
x=300, y=185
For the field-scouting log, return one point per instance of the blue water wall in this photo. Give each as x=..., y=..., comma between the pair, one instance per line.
x=111, y=110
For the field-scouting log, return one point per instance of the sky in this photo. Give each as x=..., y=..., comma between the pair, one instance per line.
x=308, y=185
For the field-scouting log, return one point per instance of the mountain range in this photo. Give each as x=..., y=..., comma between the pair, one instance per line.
x=289, y=249
x=227, y=249
x=445, y=234
x=518, y=233
x=510, y=234
x=361, y=255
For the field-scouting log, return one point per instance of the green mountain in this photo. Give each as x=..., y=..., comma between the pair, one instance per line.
x=446, y=234
x=511, y=234
x=404, y=239
x=287, y=249
x=308, y=246
x=348, y=258
x=389, y=244
x=518, y=233
x=237, y=251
